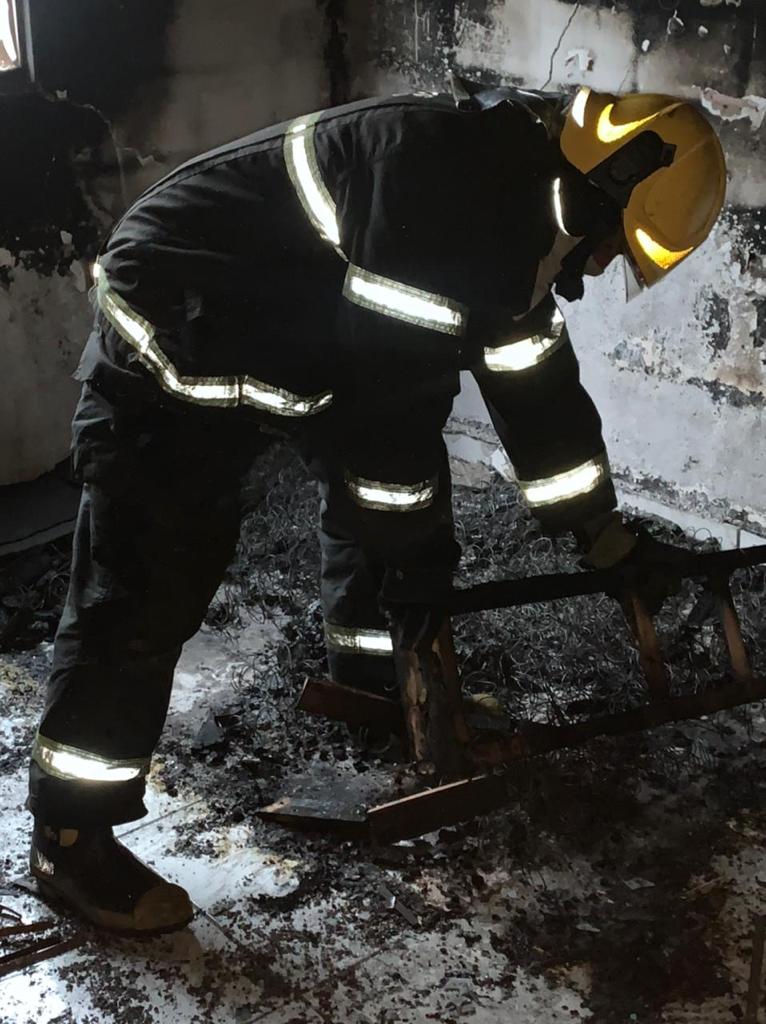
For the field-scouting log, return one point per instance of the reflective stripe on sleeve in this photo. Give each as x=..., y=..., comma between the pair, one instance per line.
x=73, y=764
x=277, y=400
x=403, y=302
x=226, y=392
x=573, y=483
x=303, y=168
x=358, y=641
x=392, y=497
x=527, y=352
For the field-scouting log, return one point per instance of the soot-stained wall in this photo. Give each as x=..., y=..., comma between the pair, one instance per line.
x=124, y=91
x=678, y=374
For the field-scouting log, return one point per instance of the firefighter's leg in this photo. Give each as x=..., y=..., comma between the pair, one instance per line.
x=358, y=640
x=157, y=526
x=359, y=645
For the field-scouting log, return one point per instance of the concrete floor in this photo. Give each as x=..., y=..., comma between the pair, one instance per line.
x=293, y=929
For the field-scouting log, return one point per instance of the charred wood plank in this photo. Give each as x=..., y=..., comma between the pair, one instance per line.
x=307, y=815
x=499, y=749
x=556, y=586
x=347, y=704
x=436, y=808
x=44, y=949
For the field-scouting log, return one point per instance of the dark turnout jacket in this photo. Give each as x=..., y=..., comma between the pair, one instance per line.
x=334, y=274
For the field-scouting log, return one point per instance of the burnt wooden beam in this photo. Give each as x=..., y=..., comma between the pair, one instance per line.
x=327, y=699
x=499, y=749
x=436, y=808
x=556, y=586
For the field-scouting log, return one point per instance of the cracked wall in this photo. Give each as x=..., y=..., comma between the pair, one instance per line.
x=124, y=92
x=678, y=374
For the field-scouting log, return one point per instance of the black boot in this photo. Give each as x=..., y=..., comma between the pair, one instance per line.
x=96, y=876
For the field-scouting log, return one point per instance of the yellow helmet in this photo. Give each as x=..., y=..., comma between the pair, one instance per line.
x=660, y=161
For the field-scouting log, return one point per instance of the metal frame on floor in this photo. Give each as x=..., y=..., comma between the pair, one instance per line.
x=443, y=746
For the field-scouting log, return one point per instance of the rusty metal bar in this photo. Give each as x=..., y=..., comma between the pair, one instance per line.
x=498, y=750
x=347, y=704
x=555, y=586
x=459, y=801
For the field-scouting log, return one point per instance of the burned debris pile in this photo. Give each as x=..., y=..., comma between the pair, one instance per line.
x=551, y=663
x=548, y=662
x=33, y=587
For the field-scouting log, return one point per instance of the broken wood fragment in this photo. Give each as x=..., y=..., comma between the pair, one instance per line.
x=557, y=586
x=436, y=808
x=740, y=663
x=26, y=929
x=756, y=970
x=649, y=653
x=328, y=699
x=44, y=949
x=307, y=815
x=500, y=749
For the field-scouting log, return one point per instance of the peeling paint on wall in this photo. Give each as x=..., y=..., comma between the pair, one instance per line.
x=43, y=321
x=709, y=336
x=733, y=108
x=126, y=90
x=685, y=362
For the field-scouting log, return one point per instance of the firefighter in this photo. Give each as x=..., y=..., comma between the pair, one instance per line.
x=327, y=279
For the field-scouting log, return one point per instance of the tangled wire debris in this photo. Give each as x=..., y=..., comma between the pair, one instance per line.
x=545, y=662
x=555, y=663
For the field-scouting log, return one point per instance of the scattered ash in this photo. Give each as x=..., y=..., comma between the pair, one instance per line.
x=604, y=857
x=554, y=662
x=33, y=586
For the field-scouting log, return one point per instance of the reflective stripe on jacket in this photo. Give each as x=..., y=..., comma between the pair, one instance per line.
x=356, y=261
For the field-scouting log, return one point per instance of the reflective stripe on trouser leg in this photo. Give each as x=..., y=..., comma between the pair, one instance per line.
x=350, y=585
x=358, y=640
x=77, y=765
x=392, y=497
x=568, y=485
x=361, y=657
x=147, y=558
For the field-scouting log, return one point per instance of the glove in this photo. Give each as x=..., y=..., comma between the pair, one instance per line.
x=608, y=541
x=414, y=602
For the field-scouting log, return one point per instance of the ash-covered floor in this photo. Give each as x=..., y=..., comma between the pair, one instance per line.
x=622, y=884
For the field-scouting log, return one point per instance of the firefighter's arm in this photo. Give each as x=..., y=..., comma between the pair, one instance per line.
x=530, y=379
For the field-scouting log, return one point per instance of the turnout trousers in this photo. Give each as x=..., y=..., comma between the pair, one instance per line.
x=158, y=524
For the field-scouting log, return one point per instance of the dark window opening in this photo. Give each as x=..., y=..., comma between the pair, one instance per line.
x=15, y=52
x=10, y=50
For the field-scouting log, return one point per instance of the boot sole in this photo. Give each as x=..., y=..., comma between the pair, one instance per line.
x=96, y=917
